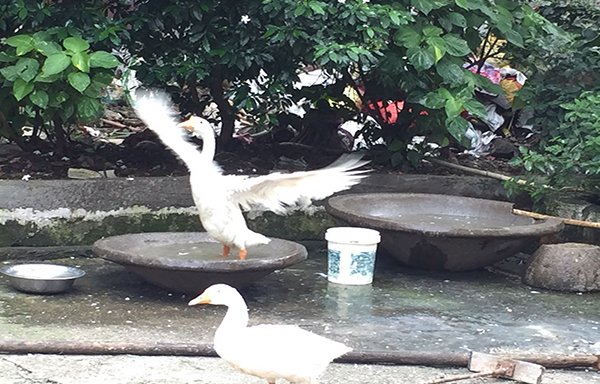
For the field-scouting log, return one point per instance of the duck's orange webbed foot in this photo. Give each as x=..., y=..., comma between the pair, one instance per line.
x=226, y=250
x=243, y=253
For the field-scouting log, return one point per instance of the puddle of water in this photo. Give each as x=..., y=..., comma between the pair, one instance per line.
x=444, y=222
x=199, y=251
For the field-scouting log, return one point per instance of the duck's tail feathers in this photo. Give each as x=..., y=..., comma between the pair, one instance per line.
x=254, y=238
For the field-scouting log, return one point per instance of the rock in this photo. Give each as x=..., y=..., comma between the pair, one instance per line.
x=573, y=267
x=503, y=148
x=581, y=208
x=8, y=150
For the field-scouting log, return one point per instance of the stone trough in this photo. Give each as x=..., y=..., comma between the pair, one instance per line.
x=442, y=231
x=191, y=261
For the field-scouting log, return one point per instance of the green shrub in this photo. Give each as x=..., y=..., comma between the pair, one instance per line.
x=51, y=78
x=570, y=160
x=408, y=50
x=54, y=69
x=560, y=67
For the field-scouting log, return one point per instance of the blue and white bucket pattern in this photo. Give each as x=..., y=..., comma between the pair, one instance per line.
x=351, y=255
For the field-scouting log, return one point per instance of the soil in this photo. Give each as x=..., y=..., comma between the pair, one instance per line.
x=122, y=147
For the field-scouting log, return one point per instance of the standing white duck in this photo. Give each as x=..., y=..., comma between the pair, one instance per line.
x=221, y=198
x=267, y=351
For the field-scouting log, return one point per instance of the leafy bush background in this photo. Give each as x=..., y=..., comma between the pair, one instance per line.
x=409, y=50
x=563, y=90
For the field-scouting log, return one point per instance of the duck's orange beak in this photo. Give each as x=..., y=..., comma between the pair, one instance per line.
x=202, y=299
x=187, y=124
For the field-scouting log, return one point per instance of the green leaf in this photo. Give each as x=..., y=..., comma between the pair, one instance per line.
x=451, y=72
x=40, y=98
x=15, y=41
x=396, y=145
x=438, y=53
x=79, y=81
x=514, y=38
x=456, y=46
x=23, y=49
x=27, y=68
x=94, y=90
x=445, y=93
x=475, y=108
x=102, y=59
x=424, y=6
x=56, y=64
x=433, y=100
x=58, y=99
x=103, y=78
x=6, y=58
x=453, y=107
x=76, y=44
x=457, y=19
x=317, y=8
x=43, y=78
x=420, y=58
x=457, y=126
x=299, y=11
x=439, y=47
x=21, y=88
x=89, y=109
x=67, y=111
x=10, y=73
x=396, y=159
x=47, y=48
x=464, y=4
x=408, y=37
x=22, y=43
x=352, y=55
x=431, y=31
x=81, y=61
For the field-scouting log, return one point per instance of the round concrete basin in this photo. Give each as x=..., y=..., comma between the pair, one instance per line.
x=442, y=231
x=191, y=261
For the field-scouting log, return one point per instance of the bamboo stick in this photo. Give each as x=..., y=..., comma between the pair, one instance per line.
x=535, y=215
x=461, y=377
x=475, y=171
x=115, y=124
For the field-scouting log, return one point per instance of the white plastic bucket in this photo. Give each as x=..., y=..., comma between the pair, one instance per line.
x=351, y=255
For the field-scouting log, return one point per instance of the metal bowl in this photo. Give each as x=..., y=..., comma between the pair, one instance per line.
x=41, y=278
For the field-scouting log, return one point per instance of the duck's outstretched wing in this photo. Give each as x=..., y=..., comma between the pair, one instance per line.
x=282, y=192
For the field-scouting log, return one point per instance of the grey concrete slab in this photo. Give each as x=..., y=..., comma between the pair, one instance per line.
x=404, y=309
x=127, y=369
x=158, y=192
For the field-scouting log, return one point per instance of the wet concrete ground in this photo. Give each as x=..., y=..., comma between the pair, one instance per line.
x=404, y=310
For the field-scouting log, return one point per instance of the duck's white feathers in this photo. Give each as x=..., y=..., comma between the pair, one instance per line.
x=281, y=351
x=281, y=192
x=154, y=109
x=268, y=351
x=221, y=198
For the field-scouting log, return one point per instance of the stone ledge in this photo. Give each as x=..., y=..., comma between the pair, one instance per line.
x=78, y=212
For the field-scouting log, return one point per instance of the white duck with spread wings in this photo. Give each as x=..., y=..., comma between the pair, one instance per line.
x=220, y=198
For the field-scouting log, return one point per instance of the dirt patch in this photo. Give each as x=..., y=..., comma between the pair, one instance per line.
x=120, y=143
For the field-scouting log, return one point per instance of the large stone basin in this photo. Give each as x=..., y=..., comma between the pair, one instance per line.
x=442, y=231
x=191, y=261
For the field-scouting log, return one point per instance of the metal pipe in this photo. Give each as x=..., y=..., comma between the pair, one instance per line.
x=436, y=359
